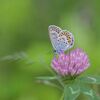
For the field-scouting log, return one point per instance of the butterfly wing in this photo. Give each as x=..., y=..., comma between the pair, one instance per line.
x=66, y=40
x=54, y=32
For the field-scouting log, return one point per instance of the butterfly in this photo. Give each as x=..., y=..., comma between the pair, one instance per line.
x=61, y=40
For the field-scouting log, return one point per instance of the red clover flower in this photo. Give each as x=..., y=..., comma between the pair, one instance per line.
x=71, y=64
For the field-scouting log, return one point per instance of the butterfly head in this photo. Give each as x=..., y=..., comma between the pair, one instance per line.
x=58, y=51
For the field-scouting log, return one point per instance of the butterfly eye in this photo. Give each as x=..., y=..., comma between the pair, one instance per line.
x=54, y=51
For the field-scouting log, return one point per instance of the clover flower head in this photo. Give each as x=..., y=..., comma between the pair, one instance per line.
x=71, y=64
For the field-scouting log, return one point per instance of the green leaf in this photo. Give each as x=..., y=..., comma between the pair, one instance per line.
x=47, y=78
x=89, y=92
x=71, y=91
x=90, y=79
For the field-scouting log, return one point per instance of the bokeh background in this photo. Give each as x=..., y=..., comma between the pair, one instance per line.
x=25, y=48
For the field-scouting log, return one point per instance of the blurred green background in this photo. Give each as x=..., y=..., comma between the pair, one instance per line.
x=25, y=48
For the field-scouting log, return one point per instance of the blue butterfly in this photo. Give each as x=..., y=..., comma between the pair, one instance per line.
x=61, y=40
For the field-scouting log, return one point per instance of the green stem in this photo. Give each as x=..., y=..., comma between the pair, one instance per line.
x=61, y=82
x=62, y=97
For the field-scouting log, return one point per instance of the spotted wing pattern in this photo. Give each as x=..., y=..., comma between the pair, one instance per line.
x=67, y=39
